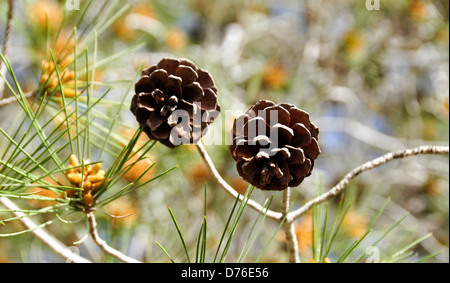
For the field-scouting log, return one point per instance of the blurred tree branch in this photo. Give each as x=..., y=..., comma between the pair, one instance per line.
x=6, y=41
x=12, y=99
x=366, y=134
x=102, y=244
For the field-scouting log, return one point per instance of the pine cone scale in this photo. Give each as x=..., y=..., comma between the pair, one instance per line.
x=159, y=79
x=169, y=64
x=209, y=100
x=173, y=86
x=276, y=114
x=284, y=133
x=187, y=74
x=155, y=121
x=193, y=92
x=142, y=114
x=297, y=155
x=144, y=85
x=312, y=151
x=149, y=70
x=302, y=136
x=162, y=132
x=260, y=105
x=148, y=100
x=205, y=80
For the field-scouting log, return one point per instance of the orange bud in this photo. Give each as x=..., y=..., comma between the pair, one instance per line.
x=50, y=67
x=44, y=65
x=44, y=79
x=87, y=185
x=70, y=92
x=53, y=83
x=74, y=178
x=95, y=178
x=96, y=168
x=95, y=186
x=68, y=76
x=73, y=160
x=66, y=62
x=88, y=198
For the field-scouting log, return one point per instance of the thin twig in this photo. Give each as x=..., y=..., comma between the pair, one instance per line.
x=12, y=99
x=337, y=189
x=6, y=41
x=253, y=204
x=48, y=239
x=103, y=245
x=289, y=229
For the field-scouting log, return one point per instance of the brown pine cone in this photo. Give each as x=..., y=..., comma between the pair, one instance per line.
x=275, y=145
x=167, y=87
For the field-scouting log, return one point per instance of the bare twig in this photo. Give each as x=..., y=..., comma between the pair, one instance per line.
x=103, y=245
x=289, y=229
x=12, y=99
x=6, y=41
x=337, y=189
x=253, y=204
x=49, y=240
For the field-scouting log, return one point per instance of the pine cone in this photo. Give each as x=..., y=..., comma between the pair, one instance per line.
x=275, y=145
x=168, y=87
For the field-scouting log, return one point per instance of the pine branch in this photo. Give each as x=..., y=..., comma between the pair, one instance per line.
x=289, y=229
x=337, y=189
x=253, y=204
x=46, y=238
x=103, y=245
x=12, y=99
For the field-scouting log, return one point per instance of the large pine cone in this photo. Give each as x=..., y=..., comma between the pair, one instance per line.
x=169, y=86
x=275, y=145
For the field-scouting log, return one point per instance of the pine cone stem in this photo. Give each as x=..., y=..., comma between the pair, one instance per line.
x=103, y=245
x=251, y=203
x=289, y=229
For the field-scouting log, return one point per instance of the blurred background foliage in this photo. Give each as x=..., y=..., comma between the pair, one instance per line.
x=372, y=81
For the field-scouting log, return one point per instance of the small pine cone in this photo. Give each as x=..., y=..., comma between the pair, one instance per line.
x=274, y=145
x=169, y=86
